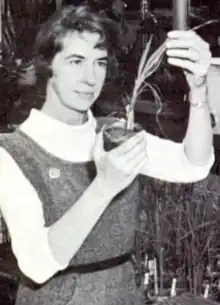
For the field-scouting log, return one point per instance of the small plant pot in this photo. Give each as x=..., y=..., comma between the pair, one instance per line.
x=116, y=133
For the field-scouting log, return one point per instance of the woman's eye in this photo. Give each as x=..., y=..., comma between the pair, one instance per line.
x=76, y=61
x=102, y=64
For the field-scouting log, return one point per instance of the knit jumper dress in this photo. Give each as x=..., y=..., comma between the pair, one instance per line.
x=113, y=234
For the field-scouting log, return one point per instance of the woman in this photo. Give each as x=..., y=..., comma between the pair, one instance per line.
x=73, y=204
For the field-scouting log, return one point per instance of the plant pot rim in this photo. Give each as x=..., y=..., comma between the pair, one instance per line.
x=121, y=124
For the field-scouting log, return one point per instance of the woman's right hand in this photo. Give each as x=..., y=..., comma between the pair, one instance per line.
x=117, y=168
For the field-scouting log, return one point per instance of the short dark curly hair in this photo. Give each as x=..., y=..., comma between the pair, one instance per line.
x=74, y=18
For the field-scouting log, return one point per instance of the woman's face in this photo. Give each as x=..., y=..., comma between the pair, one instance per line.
x=79, y=70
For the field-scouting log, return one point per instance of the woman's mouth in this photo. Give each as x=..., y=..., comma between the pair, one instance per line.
x=84, y=94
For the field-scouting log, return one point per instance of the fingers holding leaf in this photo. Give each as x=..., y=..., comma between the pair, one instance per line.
x=187, y=50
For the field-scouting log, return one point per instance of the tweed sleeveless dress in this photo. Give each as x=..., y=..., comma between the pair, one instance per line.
x=112, y=235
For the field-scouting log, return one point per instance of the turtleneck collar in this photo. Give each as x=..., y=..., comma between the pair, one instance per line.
x=68, y=142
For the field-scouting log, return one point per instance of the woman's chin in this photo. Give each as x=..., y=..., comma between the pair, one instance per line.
x=75, y=108
x=79, y=106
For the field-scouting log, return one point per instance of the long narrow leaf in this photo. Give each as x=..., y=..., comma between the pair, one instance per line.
x=144, y=55
x=155, y=60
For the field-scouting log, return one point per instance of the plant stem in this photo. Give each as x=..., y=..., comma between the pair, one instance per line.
x=130, y=118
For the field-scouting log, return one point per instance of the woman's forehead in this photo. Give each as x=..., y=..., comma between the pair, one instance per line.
x=84, y=42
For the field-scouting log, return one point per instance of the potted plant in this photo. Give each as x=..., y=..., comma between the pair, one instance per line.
x=118, y=131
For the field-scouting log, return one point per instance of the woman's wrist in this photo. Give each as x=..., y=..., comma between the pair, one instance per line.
x=102, y=190
x=198, y=96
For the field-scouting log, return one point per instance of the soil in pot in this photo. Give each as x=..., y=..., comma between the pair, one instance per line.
x=116, y=133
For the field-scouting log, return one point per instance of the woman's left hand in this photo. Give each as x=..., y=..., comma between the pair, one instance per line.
x=187, y=50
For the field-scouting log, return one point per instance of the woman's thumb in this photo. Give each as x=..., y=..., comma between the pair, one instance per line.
x=98, y=149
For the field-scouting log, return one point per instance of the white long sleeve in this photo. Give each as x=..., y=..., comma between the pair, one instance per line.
x=23, y=213
x=166, y=160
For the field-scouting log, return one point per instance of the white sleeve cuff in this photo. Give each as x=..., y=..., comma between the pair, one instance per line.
x=196, y=172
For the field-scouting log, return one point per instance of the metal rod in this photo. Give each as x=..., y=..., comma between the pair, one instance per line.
x=180, y=14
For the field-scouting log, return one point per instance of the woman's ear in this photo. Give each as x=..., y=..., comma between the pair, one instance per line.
x=43, y=68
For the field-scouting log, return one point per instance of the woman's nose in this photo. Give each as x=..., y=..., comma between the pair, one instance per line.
x=89, y=75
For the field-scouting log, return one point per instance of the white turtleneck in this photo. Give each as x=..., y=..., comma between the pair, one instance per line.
x=73, y=143
x=21, y=206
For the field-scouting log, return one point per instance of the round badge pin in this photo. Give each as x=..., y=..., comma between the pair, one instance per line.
x=54, y=173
